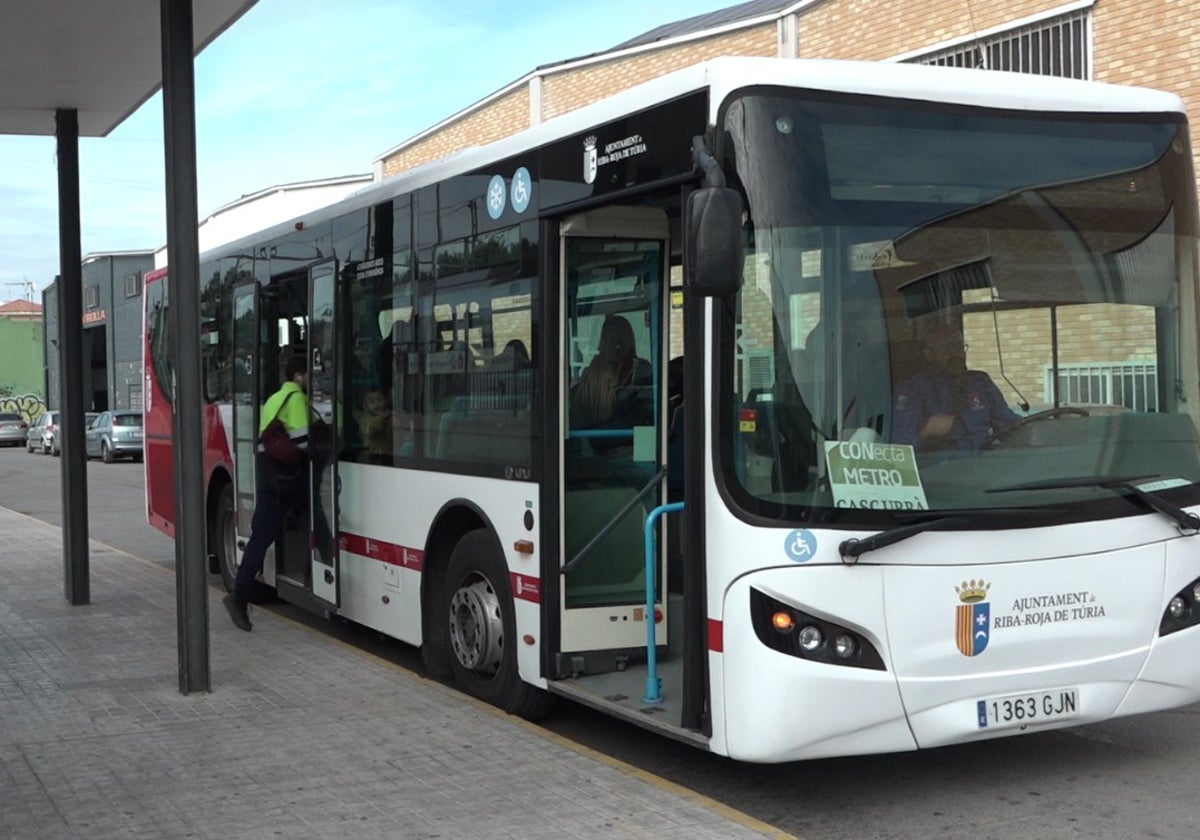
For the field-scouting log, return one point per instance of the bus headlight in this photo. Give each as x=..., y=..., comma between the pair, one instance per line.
x=811, y=638
x=790, y=630
x=1177, y=609
x=1183, y=610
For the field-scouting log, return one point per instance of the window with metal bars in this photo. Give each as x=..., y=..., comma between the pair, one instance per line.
x=1058, y=46
x=1130, y=384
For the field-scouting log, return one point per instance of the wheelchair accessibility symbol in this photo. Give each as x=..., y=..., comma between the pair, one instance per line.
x=801, y=545
x=522, y=189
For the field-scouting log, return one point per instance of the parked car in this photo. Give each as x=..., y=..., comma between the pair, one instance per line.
x=115, y=434
x=43, y=434
x=13, y=429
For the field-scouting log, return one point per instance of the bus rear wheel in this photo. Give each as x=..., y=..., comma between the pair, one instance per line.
x=478, y=605
x=223, y=537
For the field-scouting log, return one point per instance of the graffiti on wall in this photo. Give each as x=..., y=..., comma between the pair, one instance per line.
x=29, y=406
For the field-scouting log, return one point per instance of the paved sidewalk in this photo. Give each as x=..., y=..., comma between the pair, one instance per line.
x=300, y=738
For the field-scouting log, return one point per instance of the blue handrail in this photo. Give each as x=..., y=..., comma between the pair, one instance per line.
x=600, y=433
x=653, y=681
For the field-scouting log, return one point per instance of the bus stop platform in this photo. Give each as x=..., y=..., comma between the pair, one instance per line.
x=302, y=736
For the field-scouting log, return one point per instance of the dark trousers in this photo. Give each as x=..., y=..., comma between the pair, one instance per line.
x=276, y=493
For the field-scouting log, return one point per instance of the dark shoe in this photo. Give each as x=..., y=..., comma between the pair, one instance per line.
x=238, y=612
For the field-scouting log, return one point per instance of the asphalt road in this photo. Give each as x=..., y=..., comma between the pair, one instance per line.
x=1130, y=778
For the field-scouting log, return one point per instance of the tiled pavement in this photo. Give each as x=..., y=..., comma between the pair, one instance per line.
x=301, y=736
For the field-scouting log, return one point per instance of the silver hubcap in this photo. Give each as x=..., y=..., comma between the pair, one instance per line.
x=476, y=628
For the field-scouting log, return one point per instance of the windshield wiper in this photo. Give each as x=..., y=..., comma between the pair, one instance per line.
x=1117, y=483
x=854, y=548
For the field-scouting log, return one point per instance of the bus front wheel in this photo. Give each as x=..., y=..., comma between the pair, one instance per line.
x=478, y=605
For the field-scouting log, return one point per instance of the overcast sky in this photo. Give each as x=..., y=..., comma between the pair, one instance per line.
x=299, y=90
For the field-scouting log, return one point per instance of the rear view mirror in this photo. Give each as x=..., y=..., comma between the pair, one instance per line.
x=713, y=258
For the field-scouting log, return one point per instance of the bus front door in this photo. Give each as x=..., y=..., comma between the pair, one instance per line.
x=613, y=263
x=325, y=398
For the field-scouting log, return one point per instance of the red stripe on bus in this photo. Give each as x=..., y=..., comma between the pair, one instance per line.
x=526, y=588
x=396, y=555
x=716, y=638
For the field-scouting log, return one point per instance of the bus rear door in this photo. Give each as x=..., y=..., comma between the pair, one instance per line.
x=244, y=414
x=325, y=398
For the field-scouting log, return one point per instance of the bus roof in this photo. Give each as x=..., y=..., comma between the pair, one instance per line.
x=722, y=76
x=953, y=85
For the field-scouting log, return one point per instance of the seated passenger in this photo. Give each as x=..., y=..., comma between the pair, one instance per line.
x=375, y=424
x=946, y=406
x=594, y=398
x=514, y=356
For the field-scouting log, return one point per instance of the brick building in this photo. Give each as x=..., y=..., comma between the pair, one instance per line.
x=1150, y=43
x=1135, y=42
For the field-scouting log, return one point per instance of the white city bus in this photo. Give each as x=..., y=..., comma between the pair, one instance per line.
x=804, y=572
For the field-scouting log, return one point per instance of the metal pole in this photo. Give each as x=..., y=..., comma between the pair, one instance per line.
x=653, y=584
x=183, y=257
x=76, y=579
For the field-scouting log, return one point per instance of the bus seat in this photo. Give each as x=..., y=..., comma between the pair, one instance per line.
x=490, y=436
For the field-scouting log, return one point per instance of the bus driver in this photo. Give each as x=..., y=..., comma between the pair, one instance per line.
x=946, y=406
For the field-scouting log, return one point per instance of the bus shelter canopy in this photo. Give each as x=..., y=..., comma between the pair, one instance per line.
x=101, y=59
x=78, y=68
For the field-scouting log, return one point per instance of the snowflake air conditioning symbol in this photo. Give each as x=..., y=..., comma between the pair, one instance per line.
x=496, y=197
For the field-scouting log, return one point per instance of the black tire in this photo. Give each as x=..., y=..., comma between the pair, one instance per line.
x=435, y=636
x=222, y=537
x=28, y=447
x=106, y=452
x=476, y=604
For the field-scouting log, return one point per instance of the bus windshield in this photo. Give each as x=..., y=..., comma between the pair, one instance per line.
x=948, y=310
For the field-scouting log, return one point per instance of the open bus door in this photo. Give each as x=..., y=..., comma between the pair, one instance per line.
x=325, y=400
x=245, y=410
x=292, y=313
x=614, y=265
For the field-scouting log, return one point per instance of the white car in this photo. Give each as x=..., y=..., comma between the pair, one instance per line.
x=13, y=429
x=43, y=435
